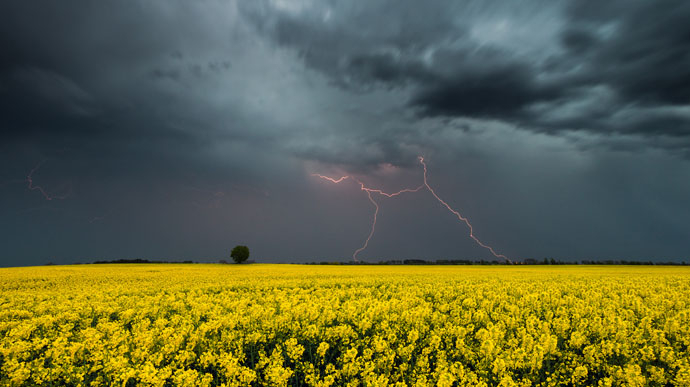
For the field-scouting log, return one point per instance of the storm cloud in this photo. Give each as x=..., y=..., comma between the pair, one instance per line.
x=561, y=128
x=474, y=60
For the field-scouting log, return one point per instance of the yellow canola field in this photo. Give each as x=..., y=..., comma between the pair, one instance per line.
x=277, y=325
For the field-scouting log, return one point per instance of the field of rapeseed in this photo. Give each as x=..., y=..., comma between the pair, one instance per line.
x=277, y=325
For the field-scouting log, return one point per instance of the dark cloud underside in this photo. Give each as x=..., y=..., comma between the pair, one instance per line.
x=176, y=129
x=637, y=53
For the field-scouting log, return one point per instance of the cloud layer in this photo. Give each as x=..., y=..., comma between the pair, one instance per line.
x=619, y=68
x=561, y=128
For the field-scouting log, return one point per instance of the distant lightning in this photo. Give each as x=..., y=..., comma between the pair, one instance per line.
x=98, y=218
x=332, y=180
x=46, y=195
x=29, y=180
x=373, y=228
x=467, y=222
x=371, y=199
x=426, y=185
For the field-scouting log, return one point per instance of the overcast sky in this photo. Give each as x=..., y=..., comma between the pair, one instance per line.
x=176, y=130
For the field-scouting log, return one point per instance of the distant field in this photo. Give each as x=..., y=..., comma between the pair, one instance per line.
x=266, y=325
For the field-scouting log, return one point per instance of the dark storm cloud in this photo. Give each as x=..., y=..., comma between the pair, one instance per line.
x=187, y=126
x=28, y=90
x=87, y=75
x=53, y=77
x=354, y=43
x=641, y=50
x=637, y=52
x=493, y=90
x=621, y=68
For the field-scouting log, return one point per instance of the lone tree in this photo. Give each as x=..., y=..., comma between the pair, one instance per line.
x=240, y=254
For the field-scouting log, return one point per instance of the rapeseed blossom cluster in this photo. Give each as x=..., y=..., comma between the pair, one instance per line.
x=290, y=325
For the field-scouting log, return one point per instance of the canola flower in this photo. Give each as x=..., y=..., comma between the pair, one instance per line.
x=291, y=325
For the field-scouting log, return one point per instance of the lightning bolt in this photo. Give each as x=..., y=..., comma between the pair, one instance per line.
x=368, y=191
x=46, y=195
x=98, y=218
x=373, y=228
x=467, y=222
x=29, y=180
x=426, y=185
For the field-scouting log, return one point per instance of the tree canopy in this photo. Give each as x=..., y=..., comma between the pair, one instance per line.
x=239, y=254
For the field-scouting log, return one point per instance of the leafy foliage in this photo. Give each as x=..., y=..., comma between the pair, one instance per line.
x=239, y=254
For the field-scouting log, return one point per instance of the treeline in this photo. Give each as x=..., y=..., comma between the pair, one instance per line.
x=528, y=261
x=608, y=262
x=551, y=261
